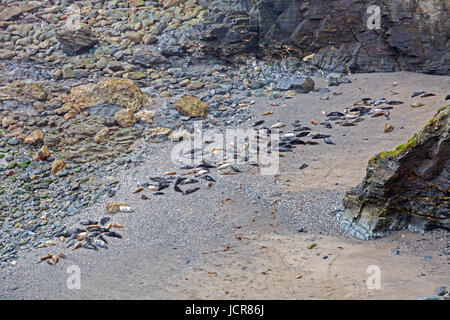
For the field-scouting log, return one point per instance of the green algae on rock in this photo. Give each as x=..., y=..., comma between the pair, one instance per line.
x=408, y=187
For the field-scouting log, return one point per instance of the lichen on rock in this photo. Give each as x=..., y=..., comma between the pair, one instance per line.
x=191, y=107
x=121, y=92
x=408, y=187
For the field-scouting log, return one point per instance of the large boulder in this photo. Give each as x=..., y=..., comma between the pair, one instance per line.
x=191, y=107
x=301, y=84
x=408, y=187
x=122, y=93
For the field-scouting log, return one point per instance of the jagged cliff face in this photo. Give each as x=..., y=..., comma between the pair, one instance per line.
x=405, y=188
x=414, y=35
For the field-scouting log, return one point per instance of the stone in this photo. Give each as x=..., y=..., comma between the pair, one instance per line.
x=180, y=135
x=42, y=154
x=159, y=131
x=134, y=36
x=145, y=116
x=101, y=63
x=170, y=3
x=404, y=188
x=120, y=92
x=312, y=245
x=333, y=79
x=57, y=75
x=7, y=54
x=300, y=84
x=290, y=94
x=39, y=91
x=13, y=141
x=125, y=118
x=52, y=140
x=148, y=58
x=76, y=41
x=441, y=291
x=34, y=138
x=57, y=166
x=102, y=136
x=136, y=3
x=191, y=107
x=7, y=121
x=10, y=13
x=184, y=83
x=149, y=39
x=68, y=73
x=195, y=85
x=114, y=66
x=135, y=75
x=30, y=6
x=108, y=110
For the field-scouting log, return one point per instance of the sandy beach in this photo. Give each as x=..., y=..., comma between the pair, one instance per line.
x=247, y=237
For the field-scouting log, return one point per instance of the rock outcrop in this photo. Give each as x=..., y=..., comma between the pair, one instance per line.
x=413, y=34
x=237, y=33
x=405, y=188
x=122, y=93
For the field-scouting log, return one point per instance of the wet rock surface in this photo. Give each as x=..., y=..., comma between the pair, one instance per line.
x=404, y=188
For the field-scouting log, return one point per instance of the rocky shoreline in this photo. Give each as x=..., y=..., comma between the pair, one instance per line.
x=95, y=88
x=47, y=66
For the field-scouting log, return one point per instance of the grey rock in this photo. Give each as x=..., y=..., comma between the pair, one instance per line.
x=333, y=79
x=13, y=141
x=302, y=84
x=379, y=205
x=441, y=291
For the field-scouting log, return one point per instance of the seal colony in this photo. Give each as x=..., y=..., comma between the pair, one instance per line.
x=91, y=236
